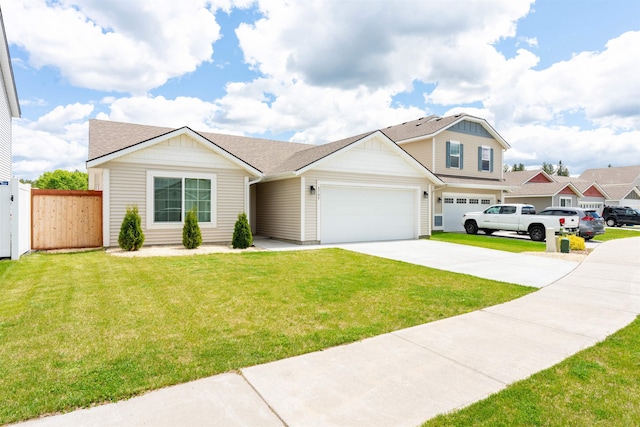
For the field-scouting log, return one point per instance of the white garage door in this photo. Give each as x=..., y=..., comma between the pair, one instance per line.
x=360, y=214
x=455, y=205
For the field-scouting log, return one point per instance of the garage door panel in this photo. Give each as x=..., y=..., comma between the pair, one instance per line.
x=455, y=205
x=354, y=214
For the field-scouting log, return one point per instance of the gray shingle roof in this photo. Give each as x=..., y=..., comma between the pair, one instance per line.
x=617, y=175
x=539, y=189
x=269, y=156
x=520, y=177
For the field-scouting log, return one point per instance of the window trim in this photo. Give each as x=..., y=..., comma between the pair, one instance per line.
x=460, y=155
x=150, y=220
x=561, y=199
x=481, y=151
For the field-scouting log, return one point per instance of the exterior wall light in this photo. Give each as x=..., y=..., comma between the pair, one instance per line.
x=312, y=190
x=425, y=194
x=439, y=199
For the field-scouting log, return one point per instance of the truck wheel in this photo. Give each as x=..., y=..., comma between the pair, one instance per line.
x=537, y=233
x=470, y=227
x=611, y=222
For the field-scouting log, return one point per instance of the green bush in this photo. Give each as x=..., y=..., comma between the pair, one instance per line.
x=191, y=236
x=131, y=236
x=242, y=237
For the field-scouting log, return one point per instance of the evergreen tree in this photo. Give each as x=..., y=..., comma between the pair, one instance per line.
x=517, y=168
x=131, y=236
x=191, y=236
x=562, y=169
x=242, y=237
x=548, y=168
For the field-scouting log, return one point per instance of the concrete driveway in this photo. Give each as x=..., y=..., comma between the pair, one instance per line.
x=521, y=269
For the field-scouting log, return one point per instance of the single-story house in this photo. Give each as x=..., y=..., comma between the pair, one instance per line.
x=365, y=187
x=621, y=184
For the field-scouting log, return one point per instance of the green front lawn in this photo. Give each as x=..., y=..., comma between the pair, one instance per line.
x=616, y=233
x=490, y=242
x=84, y=328
x=598, y=386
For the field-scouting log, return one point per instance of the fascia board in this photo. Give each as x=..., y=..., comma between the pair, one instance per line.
x=184, y=130
x=397, y=149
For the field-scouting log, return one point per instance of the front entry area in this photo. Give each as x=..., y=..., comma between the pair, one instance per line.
x=364, y=213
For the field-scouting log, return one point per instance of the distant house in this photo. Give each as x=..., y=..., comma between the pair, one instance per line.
x=541, y=190
x=621, y=184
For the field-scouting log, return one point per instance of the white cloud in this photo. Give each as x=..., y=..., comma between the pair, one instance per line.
x=578, y=149
x=57, y=140
x=127, y=46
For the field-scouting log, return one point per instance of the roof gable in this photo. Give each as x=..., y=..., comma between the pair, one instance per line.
x=427, y=127
x=136, y=147
x=372, y=153
x=527, y=177
x=546, y=189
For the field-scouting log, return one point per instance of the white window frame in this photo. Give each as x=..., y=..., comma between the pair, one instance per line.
x=451, y=156
x=565, y=200
x=486, y=150
x=151, y=224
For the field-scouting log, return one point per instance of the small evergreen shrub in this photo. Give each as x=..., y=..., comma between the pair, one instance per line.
x=242, y=237
x=576, y=243
x=191, y=236
x=131, y=236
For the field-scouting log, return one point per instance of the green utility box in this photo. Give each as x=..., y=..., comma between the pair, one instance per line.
x=564, y=245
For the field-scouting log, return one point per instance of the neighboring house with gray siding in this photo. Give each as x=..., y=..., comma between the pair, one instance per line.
x=621, y=184
x=541, y=190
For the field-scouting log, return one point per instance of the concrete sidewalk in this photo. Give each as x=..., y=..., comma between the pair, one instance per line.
x=408, y=376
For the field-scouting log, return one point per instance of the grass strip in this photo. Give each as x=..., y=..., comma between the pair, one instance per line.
x=598, y=386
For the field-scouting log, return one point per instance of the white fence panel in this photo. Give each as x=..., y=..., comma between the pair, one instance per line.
x=21, y=219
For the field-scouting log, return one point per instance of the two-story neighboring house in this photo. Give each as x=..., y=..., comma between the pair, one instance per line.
x=466, y=153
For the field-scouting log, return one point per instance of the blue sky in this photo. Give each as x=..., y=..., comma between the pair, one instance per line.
x=559, y=80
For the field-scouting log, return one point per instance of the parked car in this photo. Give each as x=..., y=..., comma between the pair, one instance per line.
x=616, y=216
x=591, y=224
x=517, y=217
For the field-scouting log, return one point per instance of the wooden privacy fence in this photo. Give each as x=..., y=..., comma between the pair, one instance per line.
x=64, y=219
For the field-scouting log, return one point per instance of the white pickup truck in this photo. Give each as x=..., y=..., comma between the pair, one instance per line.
x=517, y=217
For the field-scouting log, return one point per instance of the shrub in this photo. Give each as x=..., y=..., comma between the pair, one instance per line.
x=191, y=236
x=576, y=243
x=131, y=236
x=242, y=237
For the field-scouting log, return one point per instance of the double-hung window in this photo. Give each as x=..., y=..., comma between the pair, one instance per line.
x=485, y=159
x=170, y=195
x=454, y=154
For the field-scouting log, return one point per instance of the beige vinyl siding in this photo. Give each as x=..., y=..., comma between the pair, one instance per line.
x=470, y=161
x=311, y=201
x=422, y=151
x=128, y=184
x=5, y=135
x=278, y=209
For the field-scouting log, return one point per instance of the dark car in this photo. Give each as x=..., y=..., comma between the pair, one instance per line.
x=591, y=224
x=616, y=216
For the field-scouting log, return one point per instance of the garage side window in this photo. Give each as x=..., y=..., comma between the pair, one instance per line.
x=455, y=151
x=170, y=195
